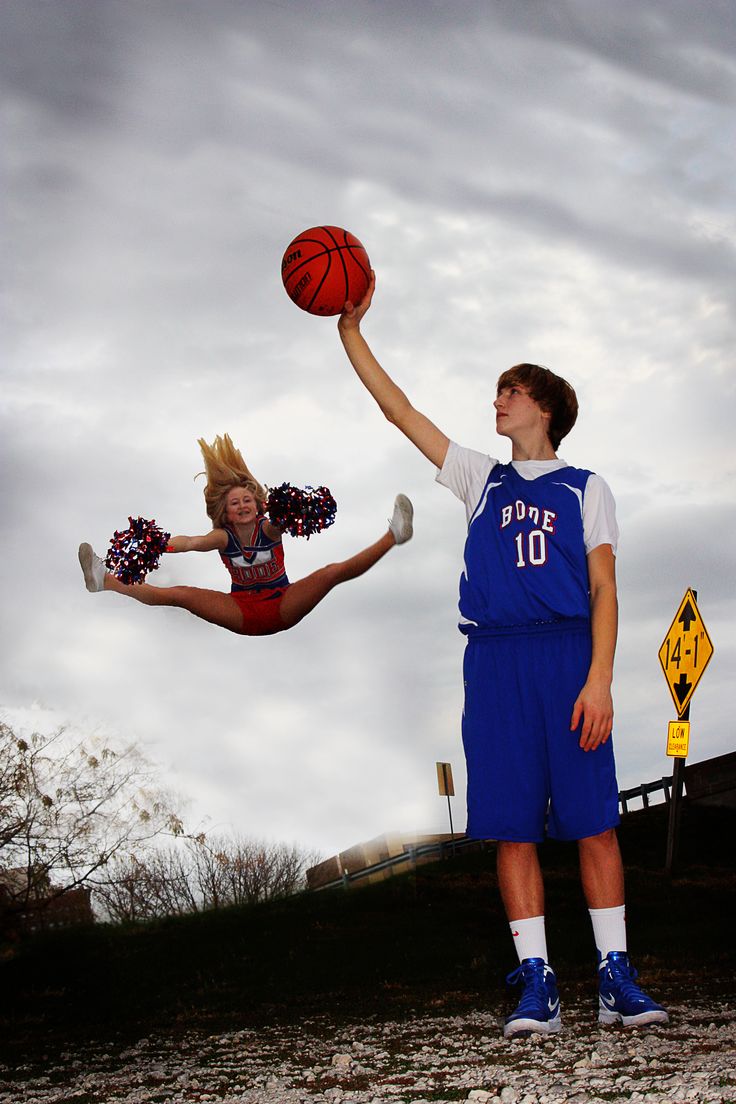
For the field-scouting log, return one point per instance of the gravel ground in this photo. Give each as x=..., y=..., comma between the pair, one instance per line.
x=420, y=1058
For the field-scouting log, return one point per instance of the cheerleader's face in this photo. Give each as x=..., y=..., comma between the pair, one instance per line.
x=241, y=507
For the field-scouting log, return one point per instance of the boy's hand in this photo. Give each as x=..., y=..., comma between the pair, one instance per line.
x=353, y=313
x=595, y=705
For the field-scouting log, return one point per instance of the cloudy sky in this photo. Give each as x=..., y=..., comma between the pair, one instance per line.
x=546, y=181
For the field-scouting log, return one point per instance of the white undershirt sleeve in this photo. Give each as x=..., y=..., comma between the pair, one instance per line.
x=465, y=472
x=599, y=515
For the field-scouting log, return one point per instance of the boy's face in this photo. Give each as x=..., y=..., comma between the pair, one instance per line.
x=518, y=413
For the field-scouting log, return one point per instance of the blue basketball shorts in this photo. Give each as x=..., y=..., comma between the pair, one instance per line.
x=527, y=775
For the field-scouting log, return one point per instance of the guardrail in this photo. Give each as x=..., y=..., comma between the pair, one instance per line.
x=643, y=791
x=462, y=843
x=410, y=855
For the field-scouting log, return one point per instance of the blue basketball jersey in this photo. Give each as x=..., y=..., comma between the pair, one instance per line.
x=525, y=560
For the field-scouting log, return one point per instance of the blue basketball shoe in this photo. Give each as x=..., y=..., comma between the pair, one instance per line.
x=619, y=999
x=538, y=1011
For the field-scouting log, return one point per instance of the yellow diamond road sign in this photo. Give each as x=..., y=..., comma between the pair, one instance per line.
x=685, y=652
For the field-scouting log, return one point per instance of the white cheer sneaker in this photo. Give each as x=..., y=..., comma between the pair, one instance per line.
x=401, y=521
x=93, y=568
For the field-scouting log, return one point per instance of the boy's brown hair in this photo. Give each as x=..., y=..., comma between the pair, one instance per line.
x=554, y=394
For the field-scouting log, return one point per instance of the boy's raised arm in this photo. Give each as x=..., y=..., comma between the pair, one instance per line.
x=430, y=440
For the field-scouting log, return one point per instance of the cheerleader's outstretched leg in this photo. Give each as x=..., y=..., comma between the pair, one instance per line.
x=209, y=605
x=302, y=596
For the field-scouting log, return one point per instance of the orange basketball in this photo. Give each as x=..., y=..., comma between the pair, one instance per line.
x=323, y=267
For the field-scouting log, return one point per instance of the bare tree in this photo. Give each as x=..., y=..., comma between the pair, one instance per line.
x=67, y=808
x=84, y=814
x=158, y=883
x=236, y=871
x=198, y=873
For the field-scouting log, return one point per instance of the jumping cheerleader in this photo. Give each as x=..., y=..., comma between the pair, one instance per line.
x=262, y=601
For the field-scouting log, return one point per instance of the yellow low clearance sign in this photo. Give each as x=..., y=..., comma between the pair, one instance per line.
x=678, y=739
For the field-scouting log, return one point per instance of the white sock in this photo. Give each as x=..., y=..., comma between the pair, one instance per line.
x=529, y=937
x=609, y=929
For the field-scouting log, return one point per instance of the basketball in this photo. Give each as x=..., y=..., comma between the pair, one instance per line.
x=323, y=267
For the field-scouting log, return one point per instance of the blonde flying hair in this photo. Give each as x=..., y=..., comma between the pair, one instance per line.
x=225, y=468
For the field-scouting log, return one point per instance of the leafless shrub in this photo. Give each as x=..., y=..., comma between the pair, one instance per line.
x=67, y=809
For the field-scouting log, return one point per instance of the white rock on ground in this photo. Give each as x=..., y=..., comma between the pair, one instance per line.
x=423, y=1058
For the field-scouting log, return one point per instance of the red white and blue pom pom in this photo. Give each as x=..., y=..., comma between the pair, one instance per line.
x=301, y=512
x=136, y=551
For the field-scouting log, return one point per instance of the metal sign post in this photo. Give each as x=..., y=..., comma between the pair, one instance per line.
x=684, y=655
x=673, y=825
x=446, y=789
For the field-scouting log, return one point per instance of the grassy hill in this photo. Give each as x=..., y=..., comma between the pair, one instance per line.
x=429, y=938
